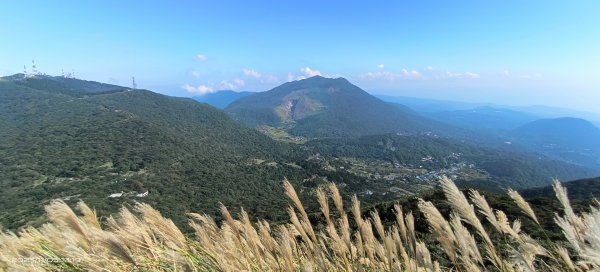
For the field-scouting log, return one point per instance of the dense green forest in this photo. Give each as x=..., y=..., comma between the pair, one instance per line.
x=68, y=141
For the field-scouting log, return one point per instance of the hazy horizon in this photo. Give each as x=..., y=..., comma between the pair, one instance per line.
x=510, y=53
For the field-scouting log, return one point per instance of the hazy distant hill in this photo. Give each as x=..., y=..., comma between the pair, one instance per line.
x=71, y=139
x=424, y=105
x=484, y=118
x=572, y=139
x=325, y=107
x=427, y=106
x=221, y=99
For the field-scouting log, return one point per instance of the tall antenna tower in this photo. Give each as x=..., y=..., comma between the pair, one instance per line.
x=133, y=84
x=34, y=70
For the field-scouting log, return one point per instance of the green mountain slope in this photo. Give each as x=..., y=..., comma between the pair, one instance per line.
x=583, y=189
x=324, y=107
x=65, y=139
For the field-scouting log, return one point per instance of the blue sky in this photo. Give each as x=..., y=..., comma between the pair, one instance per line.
x=510, y=52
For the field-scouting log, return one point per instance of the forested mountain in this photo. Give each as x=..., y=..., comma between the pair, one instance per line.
x=73, y=139
x=70, y=139
x=221, y=99
x=571, y=139
x=325, y=107
x=583, y=189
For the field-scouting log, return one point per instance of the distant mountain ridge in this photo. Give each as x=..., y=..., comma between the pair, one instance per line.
x=221, y=99
x=572, y=139
x=426, y=106
x=325, y=107
x=484, y=118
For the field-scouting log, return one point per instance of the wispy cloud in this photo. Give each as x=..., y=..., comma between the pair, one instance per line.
x=467, y=75
x=391, y=76
x=195, y=74
x=200, y=90
x=414, y=74
x=381, y=75
x=252, y=73
x=308, y=72
x=531, y=76
x=380, y=66
x=232, y=85
x=508, y=74
x=262, y=78
x=201, y=57
x=305, y=72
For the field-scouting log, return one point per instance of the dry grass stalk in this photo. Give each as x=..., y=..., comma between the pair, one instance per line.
x=146, y=241
x=523, y=205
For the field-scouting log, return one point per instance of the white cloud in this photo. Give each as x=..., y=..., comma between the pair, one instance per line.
x=391, y=76
x=533, y=76
x=308, y=72
x=239, y=82
x=468, y=75
x=411, y=74
x=252, y=73
x=232, y=85
x=201, y=57
x=195, y=74
x=430, y=68
x=472, y=75
x=381, y=75
x=380, y=66
x=262, y=78
x=200, y=90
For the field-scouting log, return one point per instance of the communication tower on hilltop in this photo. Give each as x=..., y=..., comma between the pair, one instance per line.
x=34, y=70
x=133, y=84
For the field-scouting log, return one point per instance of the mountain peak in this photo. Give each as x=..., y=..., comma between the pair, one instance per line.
x=323, y=107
